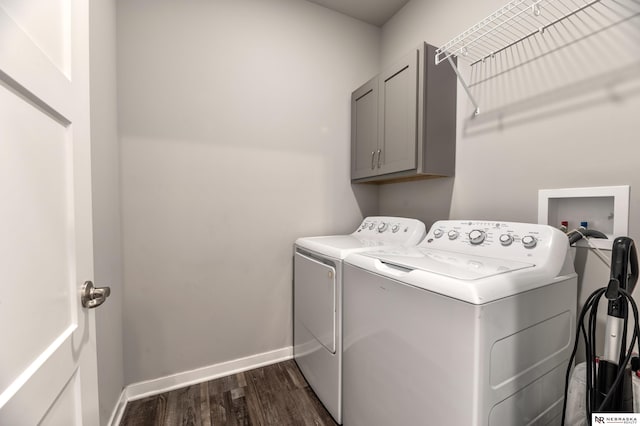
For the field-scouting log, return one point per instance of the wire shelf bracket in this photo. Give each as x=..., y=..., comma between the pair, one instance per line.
x=464, y=85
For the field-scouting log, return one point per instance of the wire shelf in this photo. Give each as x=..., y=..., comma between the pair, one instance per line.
x=520, y=20
x=511, y=24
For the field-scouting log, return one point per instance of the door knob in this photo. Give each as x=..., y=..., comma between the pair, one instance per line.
x=92, y=297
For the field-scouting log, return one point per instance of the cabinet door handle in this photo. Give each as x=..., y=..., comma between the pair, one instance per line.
x=379, y=152
x=373, y=156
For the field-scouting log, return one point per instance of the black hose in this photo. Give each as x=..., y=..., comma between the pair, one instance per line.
x=577, y=234
x=591, y=307
x=595, y=296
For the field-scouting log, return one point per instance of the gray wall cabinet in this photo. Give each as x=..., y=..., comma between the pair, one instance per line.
x=364, y=129
x=403, y=121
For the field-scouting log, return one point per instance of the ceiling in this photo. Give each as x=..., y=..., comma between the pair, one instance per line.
x=375, y=12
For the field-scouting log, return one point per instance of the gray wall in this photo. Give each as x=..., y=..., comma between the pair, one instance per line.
x=107, y=248
x=500, y=169
x=583, y=137
x=234, y=130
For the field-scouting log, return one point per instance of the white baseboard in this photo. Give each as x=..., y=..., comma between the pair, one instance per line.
x=118, y=410
x=175, y=381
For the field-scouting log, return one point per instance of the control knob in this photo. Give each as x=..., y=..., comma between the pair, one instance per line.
x=372, y=225
x=506, y=239
x=453, y=234
x=395, y=228
x=529, y=241
x=382, y=227
x=438, y=233
x=477, y=236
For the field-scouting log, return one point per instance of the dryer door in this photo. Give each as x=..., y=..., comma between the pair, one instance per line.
x=315, y=299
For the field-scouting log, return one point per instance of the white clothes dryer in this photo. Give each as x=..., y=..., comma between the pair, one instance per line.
x=317, y=298
x=472, y=327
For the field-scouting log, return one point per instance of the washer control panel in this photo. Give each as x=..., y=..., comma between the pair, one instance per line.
x=393, y=229
x=494, y=239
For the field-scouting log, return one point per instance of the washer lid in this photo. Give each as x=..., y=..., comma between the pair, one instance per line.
x=454, y=265
x=339, y=246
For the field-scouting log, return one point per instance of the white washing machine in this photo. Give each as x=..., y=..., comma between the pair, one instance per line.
x=317, y=314
x=474, y=326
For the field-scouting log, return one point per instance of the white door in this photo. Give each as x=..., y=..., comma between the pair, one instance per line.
x=47, y=340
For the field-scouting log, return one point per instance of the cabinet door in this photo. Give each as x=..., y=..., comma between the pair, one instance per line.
x=364, y=130
x=398, y=111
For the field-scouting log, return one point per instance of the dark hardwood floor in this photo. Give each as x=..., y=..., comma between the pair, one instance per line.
x=273, y=395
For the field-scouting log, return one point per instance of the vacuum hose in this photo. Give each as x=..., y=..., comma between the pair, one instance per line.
x=606, y=387
x=594, y=402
